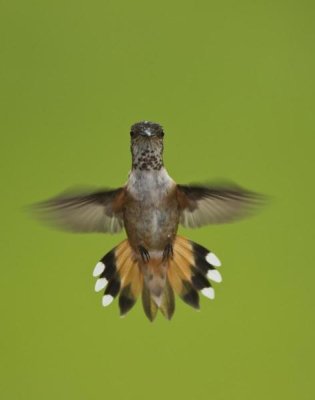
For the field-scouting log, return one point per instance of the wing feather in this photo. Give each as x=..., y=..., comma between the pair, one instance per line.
x=99, y=211
x=202, y=205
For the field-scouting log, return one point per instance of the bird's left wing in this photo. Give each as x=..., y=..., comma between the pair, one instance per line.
x=202, y=205
x=98, y=211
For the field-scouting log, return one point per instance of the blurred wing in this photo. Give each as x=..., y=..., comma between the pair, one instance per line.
x=202, y=205
x=100, y=211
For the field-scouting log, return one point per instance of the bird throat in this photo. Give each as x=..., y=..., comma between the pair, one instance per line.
x=147, y=157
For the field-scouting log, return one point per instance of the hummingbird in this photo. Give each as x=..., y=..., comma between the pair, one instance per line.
x=153, y=262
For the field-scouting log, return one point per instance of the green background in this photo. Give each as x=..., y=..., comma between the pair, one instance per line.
x=232, y=82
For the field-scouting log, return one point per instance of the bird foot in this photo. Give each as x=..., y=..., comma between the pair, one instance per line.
x=168, y=252
x=145, y=255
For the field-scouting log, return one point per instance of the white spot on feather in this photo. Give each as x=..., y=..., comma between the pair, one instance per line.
x=214, y=275
x=208, y=292
x=100, y=284
x=212, y=259
x=99, y=268
x=107, y=299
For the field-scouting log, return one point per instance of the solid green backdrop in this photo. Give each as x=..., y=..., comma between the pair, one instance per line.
x=232, y=82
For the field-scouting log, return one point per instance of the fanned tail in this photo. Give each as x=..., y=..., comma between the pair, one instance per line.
x=122, y=273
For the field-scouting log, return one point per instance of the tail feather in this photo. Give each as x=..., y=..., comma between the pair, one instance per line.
x=167, y=306
x=118, y=271
x=190, y=295
x=180, y=279
x=126, y=300
x=187, y=272
x=131, y=287
x=149, y=305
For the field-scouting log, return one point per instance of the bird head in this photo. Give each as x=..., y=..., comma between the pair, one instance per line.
x=147, y=145
x=146, y=130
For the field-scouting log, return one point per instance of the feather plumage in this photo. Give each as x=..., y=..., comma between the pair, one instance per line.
x=202, y=205
x=98, y=211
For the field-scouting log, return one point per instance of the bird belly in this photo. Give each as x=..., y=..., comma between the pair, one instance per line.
x=151, y=213
x=158, y=228
x=151, y=226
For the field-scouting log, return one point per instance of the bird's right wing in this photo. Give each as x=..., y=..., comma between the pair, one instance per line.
x=99, y=211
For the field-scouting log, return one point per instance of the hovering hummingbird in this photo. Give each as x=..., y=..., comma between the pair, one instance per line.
x=153, y=261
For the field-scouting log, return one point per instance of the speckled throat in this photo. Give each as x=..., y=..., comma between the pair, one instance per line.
x=147, y=155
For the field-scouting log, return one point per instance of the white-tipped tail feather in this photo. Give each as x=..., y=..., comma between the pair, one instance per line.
x=214, y=275
x=99, y=269
x=212, y=259
x=208, y=292
x=107, y=299
x=100, y=284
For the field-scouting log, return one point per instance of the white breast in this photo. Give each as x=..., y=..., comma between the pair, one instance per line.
x=149, y=186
